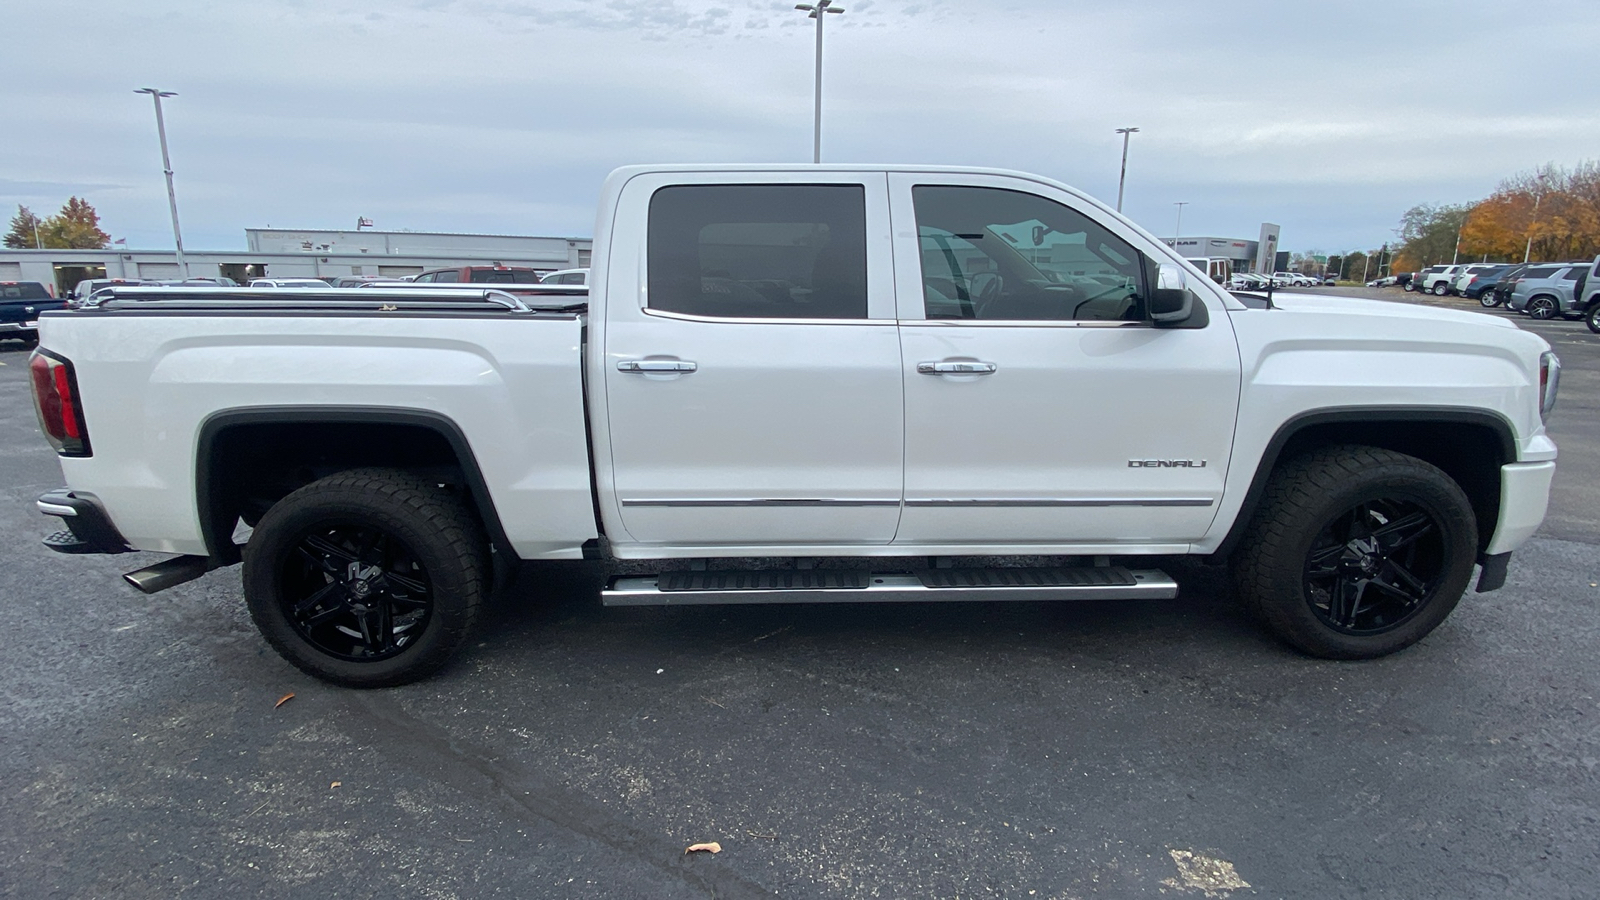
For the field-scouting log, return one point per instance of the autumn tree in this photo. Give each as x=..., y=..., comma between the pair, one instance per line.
x=24, y=233
x=75, y=227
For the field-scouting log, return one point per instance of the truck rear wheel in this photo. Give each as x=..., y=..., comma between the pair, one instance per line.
x=366, y=578
x=1592, y=317
x=1357, y=552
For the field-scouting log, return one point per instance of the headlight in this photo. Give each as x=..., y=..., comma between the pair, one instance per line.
x=1549, y=382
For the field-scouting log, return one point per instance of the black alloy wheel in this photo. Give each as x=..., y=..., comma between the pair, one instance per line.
x=355, y=592
x=367, y=578
x=1356, y=552
x=1374, y=567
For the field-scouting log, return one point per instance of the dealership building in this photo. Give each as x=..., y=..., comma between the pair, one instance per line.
x=300, y=253
x=1241, y=252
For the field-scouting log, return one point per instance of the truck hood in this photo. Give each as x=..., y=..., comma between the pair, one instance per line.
x=1322, y=303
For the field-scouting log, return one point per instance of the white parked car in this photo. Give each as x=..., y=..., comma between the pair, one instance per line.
x=741, y=389
x=567, y=276
x=288, y=283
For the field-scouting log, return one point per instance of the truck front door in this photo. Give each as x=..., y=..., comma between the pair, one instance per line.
x=1042, y=407
x=752, y=363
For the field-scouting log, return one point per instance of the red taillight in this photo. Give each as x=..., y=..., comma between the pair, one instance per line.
x=55, y=398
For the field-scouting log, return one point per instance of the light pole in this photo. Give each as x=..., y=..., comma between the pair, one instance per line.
x=1178, y=231
x=166, y=167
x=1526, y=251
x=1123, y=178
x=818, y=11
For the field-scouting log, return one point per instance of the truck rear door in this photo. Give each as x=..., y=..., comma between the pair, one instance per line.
x=752, y=362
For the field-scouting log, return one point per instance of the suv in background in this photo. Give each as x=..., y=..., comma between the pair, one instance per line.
x=1548, y=291
x=480, y=275
x=1436, y=280
x=1493, y=288
x=1467, y=273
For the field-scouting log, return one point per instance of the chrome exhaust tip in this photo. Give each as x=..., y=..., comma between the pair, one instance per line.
x=169, y=573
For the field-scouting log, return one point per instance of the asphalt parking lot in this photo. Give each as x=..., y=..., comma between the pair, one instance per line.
x=1135, y=749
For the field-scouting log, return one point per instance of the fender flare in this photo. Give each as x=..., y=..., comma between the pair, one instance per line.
x=218, y=534
x=1443, y=415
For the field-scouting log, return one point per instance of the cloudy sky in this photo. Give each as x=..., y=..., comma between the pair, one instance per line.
x=503, y=116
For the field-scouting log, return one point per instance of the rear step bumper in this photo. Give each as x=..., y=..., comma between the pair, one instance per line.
x=89, y=529
x=827, y=586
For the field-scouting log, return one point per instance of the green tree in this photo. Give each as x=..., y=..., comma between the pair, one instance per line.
x=24, y=233
x=1428, y=233
x=75, y=227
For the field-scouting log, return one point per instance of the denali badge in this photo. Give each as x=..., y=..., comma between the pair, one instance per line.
x=1166, y=464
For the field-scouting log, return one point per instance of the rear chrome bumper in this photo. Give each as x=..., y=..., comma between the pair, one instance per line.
x=15, y=327
x=89, y=529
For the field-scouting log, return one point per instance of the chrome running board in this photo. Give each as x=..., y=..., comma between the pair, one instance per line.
x=928, y=585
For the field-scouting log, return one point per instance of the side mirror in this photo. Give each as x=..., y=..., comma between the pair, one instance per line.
x=1172, y=306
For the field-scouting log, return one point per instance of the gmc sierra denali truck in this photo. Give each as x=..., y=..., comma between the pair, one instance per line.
x=893, y=369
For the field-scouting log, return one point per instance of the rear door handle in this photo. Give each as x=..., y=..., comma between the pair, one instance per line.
x=956, y=368
x=655, y=366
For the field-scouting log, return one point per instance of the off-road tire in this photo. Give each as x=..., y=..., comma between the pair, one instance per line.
x=429, y=522
x=1309, y=494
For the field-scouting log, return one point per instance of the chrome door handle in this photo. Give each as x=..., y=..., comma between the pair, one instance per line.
x=655, y=366
x=956, y=368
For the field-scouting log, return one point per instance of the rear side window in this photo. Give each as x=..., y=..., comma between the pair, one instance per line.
x=1539, y=272
x=24, y=290
x=785, y=251
x=1572, y=274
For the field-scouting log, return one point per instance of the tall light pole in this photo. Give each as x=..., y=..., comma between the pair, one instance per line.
x=1123, y=178
x=166, y=166
x=1534, y=220
x=1178, y=232
x=818, y=11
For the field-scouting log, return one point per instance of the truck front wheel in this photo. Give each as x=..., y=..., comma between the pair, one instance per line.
x=1357, y=552
x=366, y=578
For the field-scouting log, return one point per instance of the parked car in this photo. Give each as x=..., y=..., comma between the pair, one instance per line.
x=1467, y=273
x=199, y=281
x=1405, y=280
x=1436, y=280
x=1385, y=281
x=289, y=283
x=1487, y=288
x=351, y=281
x=21, y=302
x=739, y=390
x=88, y=286
x=1548, y=292
x=566, y=276
x=480, y=275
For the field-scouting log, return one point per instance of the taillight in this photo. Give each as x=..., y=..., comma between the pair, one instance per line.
x=1549, y=382
x=55, y=398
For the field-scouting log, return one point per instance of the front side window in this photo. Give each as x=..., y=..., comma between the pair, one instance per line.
x=990, y=253
x=759, y=251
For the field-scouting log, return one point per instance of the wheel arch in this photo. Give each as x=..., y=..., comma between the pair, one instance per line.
x=1470, y=445
x=245, y=457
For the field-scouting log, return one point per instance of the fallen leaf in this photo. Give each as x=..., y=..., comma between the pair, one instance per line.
x=335, y=784
x=284, y=699
x=712, y=847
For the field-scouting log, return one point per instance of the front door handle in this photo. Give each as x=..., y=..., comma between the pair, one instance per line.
x=956, y=368
x=656, y=366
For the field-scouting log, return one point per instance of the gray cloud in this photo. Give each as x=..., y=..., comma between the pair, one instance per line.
x=504, y=116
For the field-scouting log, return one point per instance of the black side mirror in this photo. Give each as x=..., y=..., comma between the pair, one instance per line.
x=1172, y=306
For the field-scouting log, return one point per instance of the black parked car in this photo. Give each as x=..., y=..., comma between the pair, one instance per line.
x=1491, y=288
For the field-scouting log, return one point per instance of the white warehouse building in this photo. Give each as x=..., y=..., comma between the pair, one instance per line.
x=290, y=253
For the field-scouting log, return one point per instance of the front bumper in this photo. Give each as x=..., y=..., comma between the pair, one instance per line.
x=19, y=327
x=89, y=529
x=1524, y=498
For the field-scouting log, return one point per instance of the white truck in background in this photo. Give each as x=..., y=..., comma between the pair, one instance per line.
x=884, y=368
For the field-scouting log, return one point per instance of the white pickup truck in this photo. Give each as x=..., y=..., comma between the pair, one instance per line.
x=861, y=376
